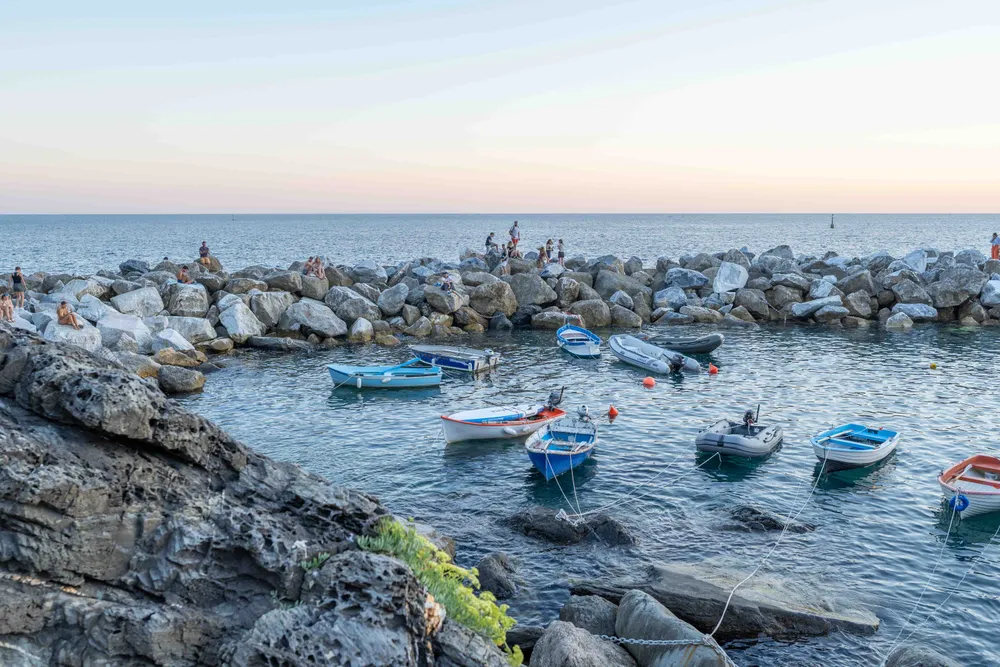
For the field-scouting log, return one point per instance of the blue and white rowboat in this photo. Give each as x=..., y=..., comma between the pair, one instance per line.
x=854, y=446
x=562, y=445
x=385, y=377
x=457, y=358
x=579, y=342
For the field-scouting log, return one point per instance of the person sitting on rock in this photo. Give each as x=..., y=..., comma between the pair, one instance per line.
x=183, y=276
x=203, y=254
x=446, y=284
x=317, y=268
x=6, y=308
x=65, y=315
x=543, y=258
x=491, y=244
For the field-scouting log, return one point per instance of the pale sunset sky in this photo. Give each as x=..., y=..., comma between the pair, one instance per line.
x=540, y=106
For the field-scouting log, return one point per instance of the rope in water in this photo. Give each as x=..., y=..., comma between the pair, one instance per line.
x=937, y=563
x=784, y=530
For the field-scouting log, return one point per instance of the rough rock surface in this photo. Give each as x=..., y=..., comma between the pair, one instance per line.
x=496, y=575
x=565, y=645
x=918, y=656
x=543, y=522
x=177, y=380
x=136, y=533
x=753, y=518
x=698, y=595
x=640, y=616
x=591, y=613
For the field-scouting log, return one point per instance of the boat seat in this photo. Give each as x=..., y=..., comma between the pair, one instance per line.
x=977, y=480
x=854, y=445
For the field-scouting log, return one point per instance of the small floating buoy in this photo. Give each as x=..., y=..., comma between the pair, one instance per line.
x=649, y=383
x=358, y=383
x=933, y=366
x=713, y=369
x=612, y=412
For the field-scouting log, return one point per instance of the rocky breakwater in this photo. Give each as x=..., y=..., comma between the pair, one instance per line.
x=133, y=532
x=143, y=319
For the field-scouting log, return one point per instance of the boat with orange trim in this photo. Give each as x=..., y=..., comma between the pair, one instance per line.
x=973, y=486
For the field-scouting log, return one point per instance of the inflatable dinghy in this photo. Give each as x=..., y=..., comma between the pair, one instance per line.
x=654, y=359
x=745, y=439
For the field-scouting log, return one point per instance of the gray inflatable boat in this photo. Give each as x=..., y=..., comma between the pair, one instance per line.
x=692, y=344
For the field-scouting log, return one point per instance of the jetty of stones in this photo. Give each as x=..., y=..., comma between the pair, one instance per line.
x=143, y=319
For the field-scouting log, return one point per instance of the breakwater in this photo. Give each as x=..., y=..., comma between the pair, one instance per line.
x=144, y=318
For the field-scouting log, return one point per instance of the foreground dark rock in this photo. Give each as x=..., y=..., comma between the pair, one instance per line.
x=544, y=523
x=565, y=645
x=919, y=656
x=592, y=613
x=133, y=532
x=496, y=575
x=695, y=597
x=641, y=617
x=753, y=518
x=525, y=636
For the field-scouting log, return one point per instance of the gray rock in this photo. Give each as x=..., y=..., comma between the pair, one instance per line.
x=309, y=316
x=633, y=265
x=757, y=519
x=621, y=298
x=525, y=636
x=808, y=308
x=268, y=307
x=277, y=344
x=754, y=302
x=780, y=296
x=640, y=616
x=361, y=331
x=531, y=290
x=696, y=595
x=684, y=278
x=191, y=329
x=820, y=289
x=187, y=300
x=93, y=309
x=792, y=280
x=990, y=295
x=442, y=301
x=285, y=281
x=733, y=256
x=907, y=291
x=314, y=288
x=567, y=291
x=565, y=645
x=552, y=270
x=172, y=339
x=496, y=575
x=899, y=321
x=964, y=278
x=477, y=278
x=916, y=260
x=420, y=328
x=623, y=317
x=673, y=319
x=88, y=337
x=133, y=266
x=918, y=312
x=605, y=263
x=551, y=319
x=670, y=297
x=970, y=257
x=370, y=292
x=595, y=312
x=144, y=302
x=357, y=308
x=490, y=298
x=177, y=380
x=730, y=277
x=367, y=271
x=244, y=285
x=782, y=251
x=919, y=656
x=858, y=282
x=591, y=613
x=392, y=300
x=240, y=323
x=828, y=314
x=858, y=304
x=946, y=294
x=543, y=523
x=702, y=315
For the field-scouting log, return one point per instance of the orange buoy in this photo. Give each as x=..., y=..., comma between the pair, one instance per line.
x=713, y=369
x=612, y=412
x=649, y=383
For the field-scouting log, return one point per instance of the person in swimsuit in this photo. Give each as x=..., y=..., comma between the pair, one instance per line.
x=17, y=286
x=995, y=246
x=65, y=315
x=203, y=253
x=6, y=308
x=183, y=276
x=562, y=253
x=515, y=234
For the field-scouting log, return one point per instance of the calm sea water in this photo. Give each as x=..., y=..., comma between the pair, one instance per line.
x=879, y=532
x=86, y=243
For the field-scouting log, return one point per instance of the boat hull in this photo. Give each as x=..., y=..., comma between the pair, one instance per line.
x=384, y=380
x=579, y=342
x=842, y=457
x=457, y=359
x=561, y=446
x=723, y=438
x=693, y=345
x=458, y=430
x=552, y=465
x=983, y=496
x=641, y=354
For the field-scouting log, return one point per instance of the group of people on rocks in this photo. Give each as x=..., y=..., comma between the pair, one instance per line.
x=314, y=267
x=546, y=253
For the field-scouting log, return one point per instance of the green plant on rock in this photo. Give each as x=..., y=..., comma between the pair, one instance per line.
x=316, y=562
x=452, y=586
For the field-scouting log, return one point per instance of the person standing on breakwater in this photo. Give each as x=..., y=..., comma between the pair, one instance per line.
x=515, y=235
x=183, y=276
x=17, y=286
x=562, y=253
x=203, y=253
x=65, y=315
x=550, y=250
x=995, y=246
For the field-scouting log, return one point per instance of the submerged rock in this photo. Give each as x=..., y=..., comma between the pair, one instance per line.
x=919, y=656
x=754, y=518
x=544, y=522
x=698, y=595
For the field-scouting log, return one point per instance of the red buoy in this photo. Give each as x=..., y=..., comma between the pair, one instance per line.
x=713, y=369
x=649, y=383
x=612, y=412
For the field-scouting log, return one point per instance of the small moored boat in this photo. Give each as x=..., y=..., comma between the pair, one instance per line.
x=747, y=438
x=579, y=342
x=639, y=353
x=973, y=486
x=501, y=422
x=457, y=358
x=692, y=344
x=385, y=377
x=854, y=446
x=562, y=445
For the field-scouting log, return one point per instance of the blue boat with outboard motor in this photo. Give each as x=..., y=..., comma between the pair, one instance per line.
x=404, y=375
x=562, y=445
x=579, y=342
x=457, y=358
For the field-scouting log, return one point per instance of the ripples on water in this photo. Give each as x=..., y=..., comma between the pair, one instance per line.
x=87, y=243
x=879, y=533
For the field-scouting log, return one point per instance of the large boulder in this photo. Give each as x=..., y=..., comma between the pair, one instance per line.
x=918, y=312
x=367, y=271
x=545, y=523
x=622, y=298
x=188, y=300
x=244, y=285
x=93, y=309
x=531, y=290
x=115, y=325
x=496, y=575
x=285, y=281
x=177, y=380
x=392, y=300
x=970, y=257
x=96, y=286
x=356, y=308
x=965, y=278
x=670, y=297
x=730, y=277
x=565, y=645
x=990, y=296
x=608, y=282
x=144, y=302
x=698, y=594
x=552, y=270
x=192, y=329
x=946, y=294
x=808, y=308
x=88, y=337
x=907, y=291
x=361, y=331
x=754, y=301
x=279, y=344
x=445, y=301
x=780, y=296
x=828, y=314
x=240, y=323
x=268, y=307
x=370, y=292
x=782, y=251
x=309, y=316
x=314, y=288
x=170, y=338
x=858, y=304
x=490, y=298
x=133, y=266
x=858, y=282
x=567, y=291
x=916, y=260
x=595, y=312
x=477, y=278
x=899, y=321
x=623, y=317
x=684, y=278
x=792, y=280
x=640, y=616
x=702, y=315
x=552, y=319
x=591, y=613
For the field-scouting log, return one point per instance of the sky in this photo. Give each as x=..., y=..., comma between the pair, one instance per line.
x=516, y=106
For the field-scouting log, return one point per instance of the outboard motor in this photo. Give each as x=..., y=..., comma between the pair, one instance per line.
x=583, y=413
x=555, y=398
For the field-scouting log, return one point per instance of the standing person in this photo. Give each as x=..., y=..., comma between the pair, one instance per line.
x=203, y=254
x=549, y=249
x=65, y=315
x=995, y=246
x=562, y=253
x=17, y=286
x=515, y=235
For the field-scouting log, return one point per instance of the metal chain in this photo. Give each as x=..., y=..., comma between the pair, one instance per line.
x=704, y=640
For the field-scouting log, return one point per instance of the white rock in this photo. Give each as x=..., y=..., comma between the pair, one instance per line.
x=144, y=302
x=170, y=338
x=188, y=300
x=93, y=309
x=916, y=260
x=89, y=338
x=114, y=324
x=240, y=322
x=730, y=277
x=991, y=294
x=193, y=329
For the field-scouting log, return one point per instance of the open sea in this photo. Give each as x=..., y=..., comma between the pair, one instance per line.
x=882, y=534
